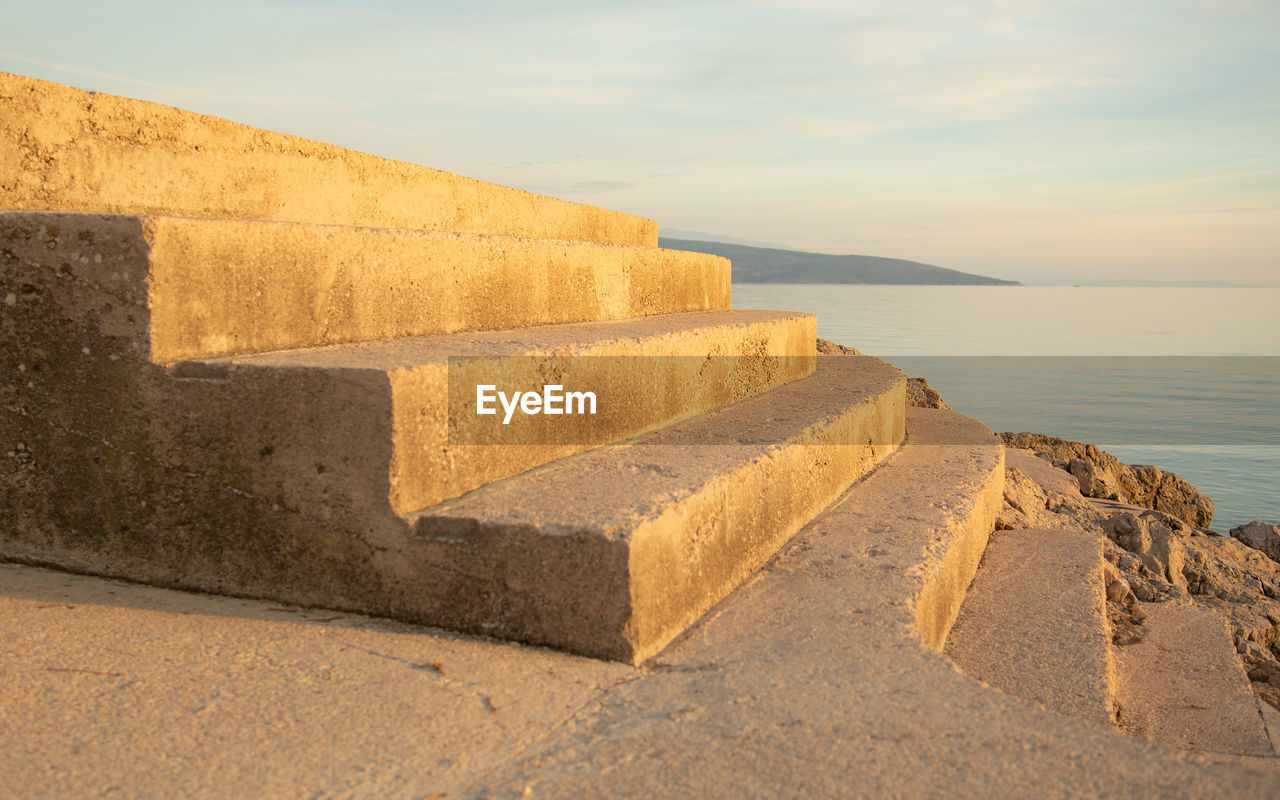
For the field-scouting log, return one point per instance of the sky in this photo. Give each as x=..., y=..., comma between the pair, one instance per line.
x=1046, y=142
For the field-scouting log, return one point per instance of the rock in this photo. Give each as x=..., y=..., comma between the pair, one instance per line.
x=1168, y=551
x=1176, y=496
x=826, y=348
x=1094, y=482
x=1263, y=669
x=1128, y=531
x=1118, y=590
x=1103, y=476
x=921, y=395
x=1143, y=590
x=1025, y=504
x=1044, y=502
x=1238, y=581
x=1260, y=536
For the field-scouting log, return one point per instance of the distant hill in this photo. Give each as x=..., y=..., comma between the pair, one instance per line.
x=769, y=265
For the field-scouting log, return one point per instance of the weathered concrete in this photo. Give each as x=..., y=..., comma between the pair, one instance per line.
x=1271, y=721
x=966, y=471
x=111, y=688
x=671, y=521
x=206, y=288
x=64, y=149
x=1034, y=622
x=1183, y=685
x=645, y=373
x=811, y=679
x=174, y=482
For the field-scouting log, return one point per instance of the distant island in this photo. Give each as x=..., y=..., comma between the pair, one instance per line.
x=770, y=265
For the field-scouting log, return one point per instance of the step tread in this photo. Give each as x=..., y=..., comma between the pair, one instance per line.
x=1183, y=684
x=1033, y=623
x=79, y=151
x=635, y=336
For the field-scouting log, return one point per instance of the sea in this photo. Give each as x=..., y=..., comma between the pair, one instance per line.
x=1187, y=379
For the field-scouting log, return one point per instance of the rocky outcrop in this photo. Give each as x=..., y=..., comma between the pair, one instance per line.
x=1103, y=476
x=826, y=348
x=1162, y=560
x=1260, y=536
x=919, y=393
x=1029, y=505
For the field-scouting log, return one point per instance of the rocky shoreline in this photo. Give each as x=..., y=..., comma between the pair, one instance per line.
x=1157, y=540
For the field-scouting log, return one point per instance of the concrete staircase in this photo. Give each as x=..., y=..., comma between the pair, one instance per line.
x=246, y=363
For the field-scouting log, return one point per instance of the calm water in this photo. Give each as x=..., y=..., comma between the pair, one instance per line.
x=1187, y=379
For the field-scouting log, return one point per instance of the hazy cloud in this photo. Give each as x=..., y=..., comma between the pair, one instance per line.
x=999, y=134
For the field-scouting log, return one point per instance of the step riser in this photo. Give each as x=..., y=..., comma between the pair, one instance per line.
x=219, y=287
x=944, y=587
x=427, y=463
x=77, y=502
x=925, y=517
x=75, y=151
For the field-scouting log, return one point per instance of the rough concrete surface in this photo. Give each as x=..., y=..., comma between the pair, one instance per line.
x=811, y=679
x=111, y=689
x=671, y=521
x=66, y=149
x=1034, y=622
x=1271, y=719
x=645, y=373
x=202, y=288
x=1183, y=684
x=176, y=483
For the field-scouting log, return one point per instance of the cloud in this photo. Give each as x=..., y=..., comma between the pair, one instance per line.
x=599, y=187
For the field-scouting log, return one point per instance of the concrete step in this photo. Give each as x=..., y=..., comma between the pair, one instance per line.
x=916, y=529
x=202, y=288
x=614, y=552
x=643, y=374
x=63, y=149
x=1183, y=684
x=1034, y=623
x=607, y=553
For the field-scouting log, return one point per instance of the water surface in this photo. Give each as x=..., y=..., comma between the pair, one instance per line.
x=1186, y=379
